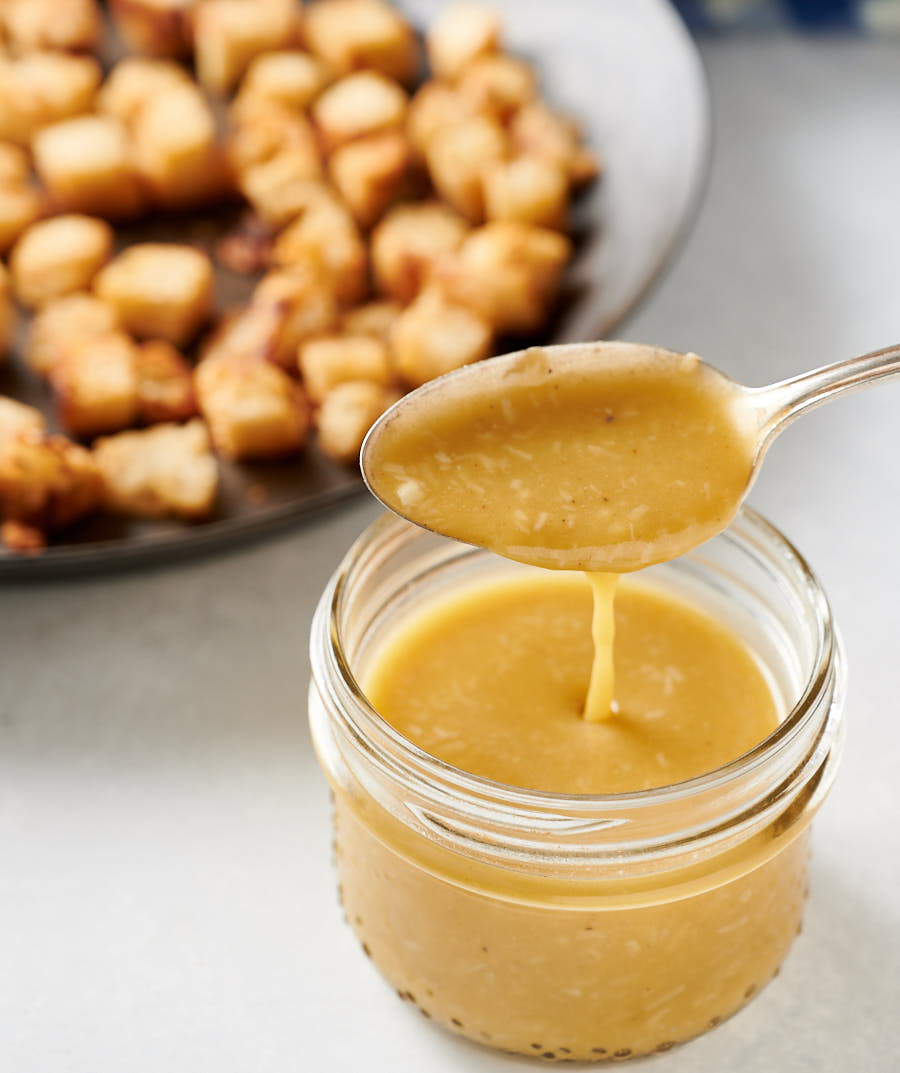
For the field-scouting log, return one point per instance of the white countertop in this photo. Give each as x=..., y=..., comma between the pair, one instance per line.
x=166, y=897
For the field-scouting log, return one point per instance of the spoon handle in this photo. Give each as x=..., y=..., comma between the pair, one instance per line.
x=779, y=404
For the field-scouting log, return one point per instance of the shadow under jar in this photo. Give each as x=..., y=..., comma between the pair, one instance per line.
x=576, y=927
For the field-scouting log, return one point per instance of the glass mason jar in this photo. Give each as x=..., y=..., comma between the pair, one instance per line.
x=576, y=927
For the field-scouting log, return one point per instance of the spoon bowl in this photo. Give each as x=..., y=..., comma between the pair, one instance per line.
x=595, y=456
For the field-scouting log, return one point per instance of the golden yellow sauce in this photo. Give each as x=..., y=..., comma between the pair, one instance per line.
x=493, y=681
x=606, y=465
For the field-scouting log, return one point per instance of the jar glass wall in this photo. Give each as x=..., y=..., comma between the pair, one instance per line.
x=576, y=927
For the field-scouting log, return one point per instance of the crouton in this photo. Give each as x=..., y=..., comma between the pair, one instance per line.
x=409, y=242
x=326, y=362
x=96, y=384
x=40, y=24
x=165, y=383
x=537, y=131
x=134, y=82
x=374, y=318
x=371, y=173
x=353, y=35
x=498, y=84
x=176, y=147
x=17, y=418
x=262, y=129
x=326, y=231
x=155, y=27
x=47, y=481
x=435, y=335
x=43, y=88
x=348, y=412
x=229, y=34
x=87, y=165
x=59, y=256
x=292, y=79
x=509, y=272
x=159, y=290
x=161, y=471
x=280, y=188
x=460, y=34
x=458, y=157
x=434, y=107
x=254, y=409
x=530, y=189
x=357, y=105
x=286, y=308
x=63, y=321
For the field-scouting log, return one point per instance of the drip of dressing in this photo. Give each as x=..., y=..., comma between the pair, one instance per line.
x=600, y=704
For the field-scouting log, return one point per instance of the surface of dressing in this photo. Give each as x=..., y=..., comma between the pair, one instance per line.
x=612, y=464
x=493, y=682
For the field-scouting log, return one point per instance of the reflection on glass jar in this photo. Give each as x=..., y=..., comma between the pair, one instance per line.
x=576, y=927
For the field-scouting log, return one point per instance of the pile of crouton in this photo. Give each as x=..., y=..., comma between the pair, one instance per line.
x=397, y=228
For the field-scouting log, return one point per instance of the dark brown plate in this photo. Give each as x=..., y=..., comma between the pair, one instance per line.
x=631, y=74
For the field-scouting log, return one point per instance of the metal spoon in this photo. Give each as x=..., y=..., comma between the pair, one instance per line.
x=755, y=415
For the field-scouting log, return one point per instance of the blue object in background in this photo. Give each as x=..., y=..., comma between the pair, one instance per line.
x=762, y=14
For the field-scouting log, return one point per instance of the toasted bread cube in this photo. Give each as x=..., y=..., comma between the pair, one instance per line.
x=326, y=232
x=335, y=359
x=348, y=412
x=537, y=131
x=371, y=173
x=357, y=105
x=159, y=290
x=280, y=188
x=292, y=78
x=155, y=27
x=435, y=335
x=87, y=165
x=229, y=34
x=176, y=147
x=165, y=383
x=409, y=242
x=353, y=35
x=303, y=299
x=263, y=129
x=166, y=470
x=96, y=384
x=47, y=481
x=530, y=189
x=458, y=158
x=460, y=34
x=63, y=321
x=40, y=24
x=374, y=318
x=20, y=206
x=286, y=308
x=498, y=84
x=509, y=272
x=14, y=166
x=136, y=81
x=42, y=88
x=254, y=409
x=434, y=107
x=59, y=256
x=17, y=418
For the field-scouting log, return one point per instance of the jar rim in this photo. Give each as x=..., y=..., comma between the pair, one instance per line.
x=370, y=728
